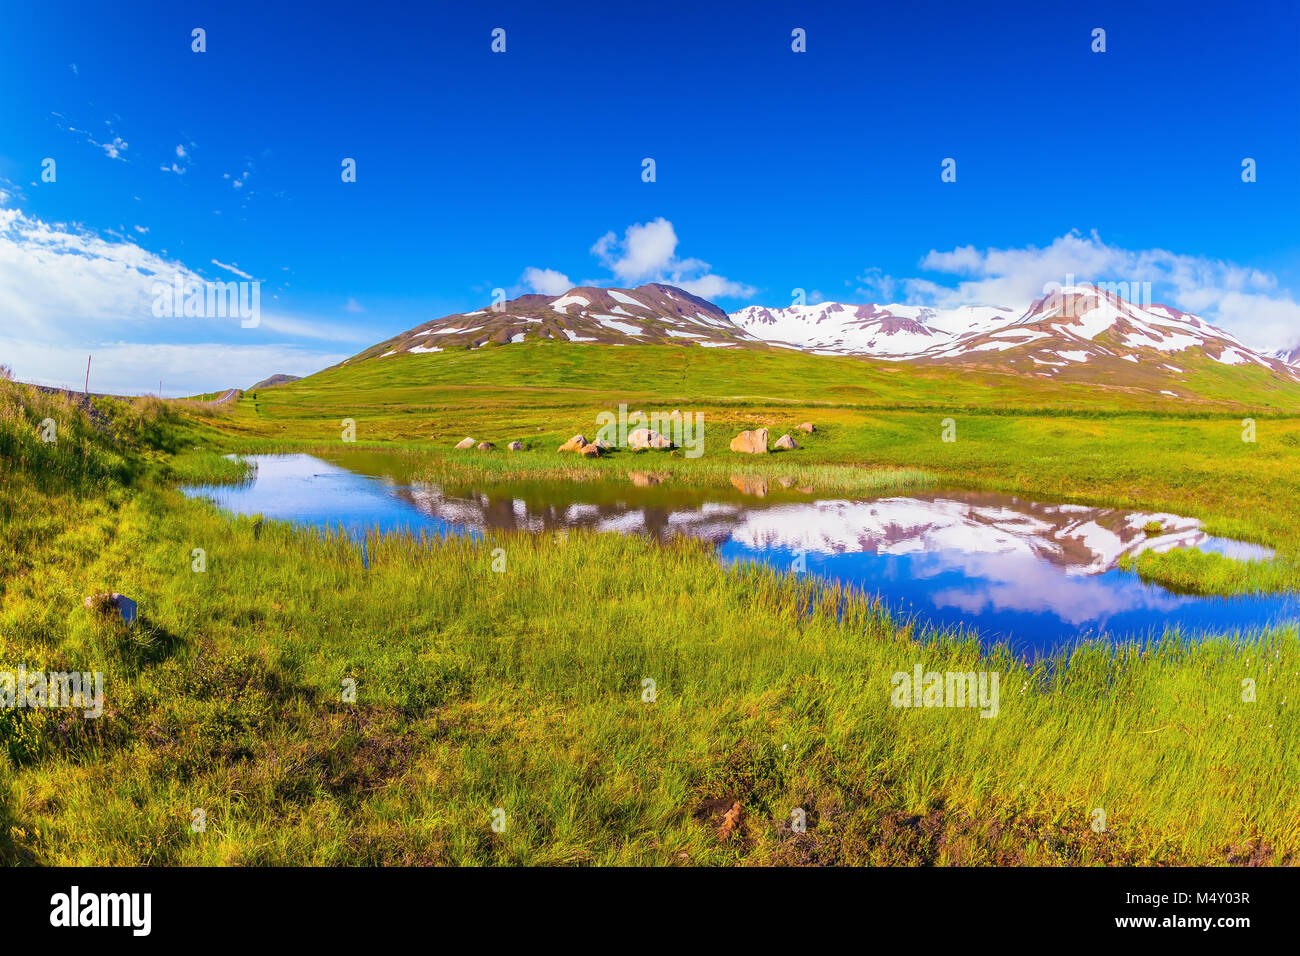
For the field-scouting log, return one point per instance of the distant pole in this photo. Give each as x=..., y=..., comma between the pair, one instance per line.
x=87, y=389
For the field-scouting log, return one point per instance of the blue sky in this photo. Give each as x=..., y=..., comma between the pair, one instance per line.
x=775, y=170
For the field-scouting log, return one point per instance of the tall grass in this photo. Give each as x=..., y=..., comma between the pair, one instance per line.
x=522, y=686
x=49, y=438
x=523, y=689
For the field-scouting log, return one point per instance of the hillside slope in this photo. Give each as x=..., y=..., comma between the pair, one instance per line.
x=1078, y=348
x=647, y=315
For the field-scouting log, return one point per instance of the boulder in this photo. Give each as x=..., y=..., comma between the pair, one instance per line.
x=786, y=443
x=486, y=446
x=466, y=443
x=516, y=446
x=590, y=450
x=808, y=427
x=112, y=603
x=751, y=442
x=576, y=443
x=647, y=438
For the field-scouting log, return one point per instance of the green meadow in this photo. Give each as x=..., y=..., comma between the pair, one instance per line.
x=1043, y=439
x=504, y=680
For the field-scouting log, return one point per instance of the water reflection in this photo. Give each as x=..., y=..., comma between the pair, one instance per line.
x=1038, y=574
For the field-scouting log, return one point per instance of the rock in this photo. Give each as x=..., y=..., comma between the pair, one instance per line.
x=516, y=446
x=466, y=443
x=576, y=443
x=590, y=450
x=647, y=438
x=730, y=821
x=808, y=427
x=751, y=442
x=112, y=603
x=486, y=446
x=786, y=443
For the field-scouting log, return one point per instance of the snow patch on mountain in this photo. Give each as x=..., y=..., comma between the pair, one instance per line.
x=1079, y=324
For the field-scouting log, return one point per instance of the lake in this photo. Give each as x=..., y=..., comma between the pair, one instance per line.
x=1035, y=574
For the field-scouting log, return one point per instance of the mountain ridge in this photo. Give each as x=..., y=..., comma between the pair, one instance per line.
x=1071, y=333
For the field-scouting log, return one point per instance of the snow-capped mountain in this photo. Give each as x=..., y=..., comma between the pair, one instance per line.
x=1076, y=333
x=647, y=315
x=881, y=331
x=1063, y=330
x=1081, y=324
x=1291, y=356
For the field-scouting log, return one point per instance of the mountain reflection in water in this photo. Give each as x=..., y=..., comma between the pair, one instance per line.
x=1039, y=575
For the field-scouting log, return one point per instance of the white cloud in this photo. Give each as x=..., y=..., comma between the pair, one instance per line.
x=313, y=328
x=546, y=281
x=180, y=152
x=713, y=287
x=647, y=249
x=54, y=277
x=354, y=306
x=132, y=368
x=233, y=268
x=1246, y=301
x=66, y=291
x=115, y=149
x=648, y=253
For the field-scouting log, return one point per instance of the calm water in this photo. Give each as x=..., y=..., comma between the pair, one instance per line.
x=1039, y=575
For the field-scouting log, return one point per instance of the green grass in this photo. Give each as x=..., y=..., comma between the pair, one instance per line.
x=522, y=690
x=203, y=467
x=1053, y=441
x=1196, y=572
x=555, y=375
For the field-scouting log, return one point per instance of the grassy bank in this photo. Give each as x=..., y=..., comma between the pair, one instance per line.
x=522, y=689
x=1087, y=443
x=1194, y=467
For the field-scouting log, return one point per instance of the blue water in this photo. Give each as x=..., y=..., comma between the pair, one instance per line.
x=1039, y=576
